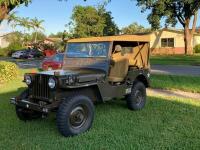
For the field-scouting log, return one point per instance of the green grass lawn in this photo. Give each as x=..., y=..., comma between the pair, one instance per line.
x=175, y=60
x=173, y=82
x=163, y=124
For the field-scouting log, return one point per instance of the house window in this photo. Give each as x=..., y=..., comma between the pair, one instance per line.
x=167, y=42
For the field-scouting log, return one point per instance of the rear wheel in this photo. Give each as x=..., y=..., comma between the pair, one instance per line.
x=26, y=114
x=20, y=57
x=75, y=115
x=137, y=99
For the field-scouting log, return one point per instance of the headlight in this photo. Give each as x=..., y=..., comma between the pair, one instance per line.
x=52, y=83
x=70, y=80
x=28, y=80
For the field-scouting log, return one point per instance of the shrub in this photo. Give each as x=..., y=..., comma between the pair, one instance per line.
x=10, y=49
x=197, y=48
x=13, y=47
x=8, y=71
x=3, y=52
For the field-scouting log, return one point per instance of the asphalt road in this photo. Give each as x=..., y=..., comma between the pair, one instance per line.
x=176, y=70
x=155, y=69
x=25, y=64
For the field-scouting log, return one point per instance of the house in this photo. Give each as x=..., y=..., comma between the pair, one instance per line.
x=3, y=42
x=170, y=41
x=52, y=41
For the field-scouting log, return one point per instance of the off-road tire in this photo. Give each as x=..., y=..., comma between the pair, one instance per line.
x=26, y=114
x=67, y=110
x=137, y=99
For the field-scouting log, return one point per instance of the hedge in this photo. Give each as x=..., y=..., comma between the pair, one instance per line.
x=8, y=71
x=197, y=48
x=10, y=49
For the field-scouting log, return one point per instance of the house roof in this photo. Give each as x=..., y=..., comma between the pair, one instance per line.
x=5, y=34
x=139, y=38
x=197, y=31
x=53, y=39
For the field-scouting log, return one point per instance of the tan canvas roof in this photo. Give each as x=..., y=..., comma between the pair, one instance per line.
x=139, y=38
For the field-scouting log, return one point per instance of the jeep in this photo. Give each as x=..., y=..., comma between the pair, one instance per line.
x=95, y=69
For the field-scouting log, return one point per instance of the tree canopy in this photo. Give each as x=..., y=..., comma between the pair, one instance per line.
x=56, y=35
x=7, y=6
x=60, y=35
x=90, y=21
x=134, y=28
x=173, y=11
x=111, y=27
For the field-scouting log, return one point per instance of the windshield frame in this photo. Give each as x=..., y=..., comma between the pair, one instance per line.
x=103, y=57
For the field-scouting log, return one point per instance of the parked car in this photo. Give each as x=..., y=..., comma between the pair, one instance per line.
x=34, y=53
x=53, y=63
x=110, y=68
x=27, y=53
x=19, y=54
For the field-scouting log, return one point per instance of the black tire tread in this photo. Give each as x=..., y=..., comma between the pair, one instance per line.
x=130, y=98
x=61, y=114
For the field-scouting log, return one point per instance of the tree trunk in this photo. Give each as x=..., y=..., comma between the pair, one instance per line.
x=188, y=41
x=188, y=36
x=3, y=12
x=35, y=36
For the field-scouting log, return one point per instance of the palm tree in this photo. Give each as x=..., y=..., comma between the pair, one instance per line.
x=37, y=25
x=26, y=24
x=17, y=21
x=13, y=20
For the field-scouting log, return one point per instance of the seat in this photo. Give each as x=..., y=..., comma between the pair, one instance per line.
x=119, y=66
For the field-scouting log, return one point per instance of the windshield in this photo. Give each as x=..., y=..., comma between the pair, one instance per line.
x=92, y=49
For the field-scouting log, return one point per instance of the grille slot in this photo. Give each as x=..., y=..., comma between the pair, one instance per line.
x=40, y=87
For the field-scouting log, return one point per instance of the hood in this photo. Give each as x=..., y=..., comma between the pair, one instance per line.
x=73, y=72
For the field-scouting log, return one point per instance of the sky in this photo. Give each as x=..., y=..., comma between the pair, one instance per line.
x=57, y=13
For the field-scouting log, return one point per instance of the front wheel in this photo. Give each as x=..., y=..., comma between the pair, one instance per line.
x=137, y=99
x=75, y=115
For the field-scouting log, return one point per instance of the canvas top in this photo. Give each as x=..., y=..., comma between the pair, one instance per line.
x=128, y=38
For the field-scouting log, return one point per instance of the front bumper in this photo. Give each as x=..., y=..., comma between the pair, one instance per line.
x=29, y=105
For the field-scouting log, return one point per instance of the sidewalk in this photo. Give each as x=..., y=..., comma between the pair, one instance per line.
x=178, y=94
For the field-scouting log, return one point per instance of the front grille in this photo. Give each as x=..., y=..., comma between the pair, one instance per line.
x=40, y=88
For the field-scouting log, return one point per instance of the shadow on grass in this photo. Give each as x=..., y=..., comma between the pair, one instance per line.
x=162, y=124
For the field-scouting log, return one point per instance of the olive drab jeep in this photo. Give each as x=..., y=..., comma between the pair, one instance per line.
x=95, y=69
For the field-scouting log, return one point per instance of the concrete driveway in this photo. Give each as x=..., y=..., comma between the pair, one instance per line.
x=176, y=70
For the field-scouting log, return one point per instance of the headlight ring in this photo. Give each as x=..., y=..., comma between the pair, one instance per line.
x=28, y=79
x=52, y=83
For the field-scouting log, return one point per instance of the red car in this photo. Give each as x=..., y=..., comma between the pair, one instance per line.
x=53, y=63
x=49, y=52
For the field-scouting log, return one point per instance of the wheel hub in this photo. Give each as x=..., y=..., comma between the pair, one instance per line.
x=78, y=116
x=139, y=97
